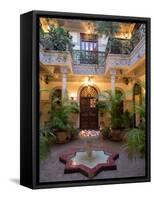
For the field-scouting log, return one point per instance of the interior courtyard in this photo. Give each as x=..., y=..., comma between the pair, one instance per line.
x=92, y=85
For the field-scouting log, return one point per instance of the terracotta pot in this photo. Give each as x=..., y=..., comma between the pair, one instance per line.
x=117, y=134
x=62, y=137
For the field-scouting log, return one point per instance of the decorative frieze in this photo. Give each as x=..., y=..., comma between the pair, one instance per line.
x=51, y=57
x=88, y=70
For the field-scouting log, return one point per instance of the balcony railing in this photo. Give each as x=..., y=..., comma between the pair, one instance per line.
x=122, y=60
x=126, y=46
x=88, y=62
x=54, y=58
x=88, y=58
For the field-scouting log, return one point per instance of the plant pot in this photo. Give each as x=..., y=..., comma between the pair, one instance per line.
x=74, y=136
x=62, y=137
x=103, y=137
x=51, y=142
x=117, y=134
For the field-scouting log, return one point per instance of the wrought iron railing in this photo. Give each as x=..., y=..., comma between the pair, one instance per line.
x=93, y=58
x=126, y=46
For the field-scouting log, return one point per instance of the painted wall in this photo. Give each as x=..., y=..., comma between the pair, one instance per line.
x=73, y=89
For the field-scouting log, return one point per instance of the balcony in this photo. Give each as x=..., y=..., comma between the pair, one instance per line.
x=88, y=62
x=122, y=58
x=124, y=54
x=56, y=58
x=126, y=46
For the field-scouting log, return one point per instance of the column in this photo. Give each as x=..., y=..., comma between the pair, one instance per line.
x=113, y=74
x=64, y=82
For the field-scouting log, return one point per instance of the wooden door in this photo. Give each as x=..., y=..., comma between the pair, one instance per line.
x=88, y=110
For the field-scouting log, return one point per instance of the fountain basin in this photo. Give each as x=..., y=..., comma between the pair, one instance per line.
x=78, y=161
x=81, y=158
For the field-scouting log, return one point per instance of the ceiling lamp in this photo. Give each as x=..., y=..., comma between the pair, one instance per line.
x=90, y=28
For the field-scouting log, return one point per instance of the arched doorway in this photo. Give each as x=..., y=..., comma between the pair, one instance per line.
x=88, y=109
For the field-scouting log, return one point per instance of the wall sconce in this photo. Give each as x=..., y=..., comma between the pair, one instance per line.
x=72, y=96
x=46, y=79
x=127, y=80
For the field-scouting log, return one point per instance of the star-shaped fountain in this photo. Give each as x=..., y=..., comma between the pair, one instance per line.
x=90, y=166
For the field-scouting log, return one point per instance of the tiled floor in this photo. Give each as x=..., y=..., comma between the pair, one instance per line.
x=51, y=169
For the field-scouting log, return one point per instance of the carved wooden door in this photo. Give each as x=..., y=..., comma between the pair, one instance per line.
x=88, y=110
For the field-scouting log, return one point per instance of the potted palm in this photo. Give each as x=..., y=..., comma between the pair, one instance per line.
x=105, y=132
x=135, y=139
x=112, y=104
x=60, y=123
x=46, y=139
x=60, y=118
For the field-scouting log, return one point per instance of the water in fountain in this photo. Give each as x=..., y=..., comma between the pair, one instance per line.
x=98, y=156
x=89, y=157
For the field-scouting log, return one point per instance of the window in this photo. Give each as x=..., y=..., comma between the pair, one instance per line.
x=89, y=49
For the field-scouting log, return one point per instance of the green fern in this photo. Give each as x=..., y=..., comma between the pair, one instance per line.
x=135, y=142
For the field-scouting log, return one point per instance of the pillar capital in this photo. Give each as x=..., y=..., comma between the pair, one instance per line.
x=63, y=70
x=112, y=72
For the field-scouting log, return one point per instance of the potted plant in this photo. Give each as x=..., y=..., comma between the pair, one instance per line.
x=135, y=142
x=60, y=117
x=60, y=123
x=73, y=132
x=112, y=104
x=127, y=119
x=57, y=38
x=47, y=138
x=109, y=29
x=105, y=132
x=135, y=139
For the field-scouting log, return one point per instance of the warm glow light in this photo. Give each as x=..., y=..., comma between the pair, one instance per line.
x=125, y=31
x=72, y=96
x=89, y=28
x=88, y=31
x=88, y=81
x=46, y=24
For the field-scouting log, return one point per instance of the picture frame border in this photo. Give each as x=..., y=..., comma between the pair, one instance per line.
x=29, y=115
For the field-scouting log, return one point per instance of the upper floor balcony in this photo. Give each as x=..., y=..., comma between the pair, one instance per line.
x=125, y=53
x=126, y=60
x=53, y=57
x=88, y=62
